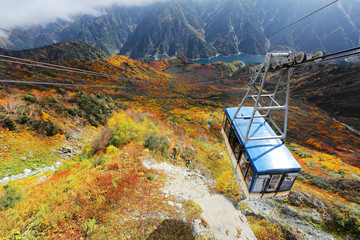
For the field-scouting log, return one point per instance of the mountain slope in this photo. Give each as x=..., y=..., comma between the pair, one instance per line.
x=173, y=29
x=334, y=88
x=107, y=32
x=332, y=29
x=65, y=51
x=232, y=29
x=168, y=111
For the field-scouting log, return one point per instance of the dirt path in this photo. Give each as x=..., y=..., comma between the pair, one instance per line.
x=223, y=219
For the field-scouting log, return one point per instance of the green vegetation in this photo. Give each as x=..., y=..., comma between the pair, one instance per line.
x=157, y=143
x=94, y=109
x=150, y=176
x=11, y=196
x=344, y=219
x=265, y=230
x=346, y=187
x=294, y=148
x=10, y=124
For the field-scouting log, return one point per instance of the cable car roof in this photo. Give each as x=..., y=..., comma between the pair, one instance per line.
x=267, y=156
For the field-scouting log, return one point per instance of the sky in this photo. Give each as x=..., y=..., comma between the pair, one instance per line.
x=23, y=13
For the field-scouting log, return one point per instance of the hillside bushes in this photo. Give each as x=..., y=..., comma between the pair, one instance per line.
x=125, y=127
x=47, y=113
x=82, y=200
x=12, y=195
x=10, y=124
x=344, y=219
x=346, y=187
x=265, y=230
x=227, y=185
x=157, y=143
x=95, y=109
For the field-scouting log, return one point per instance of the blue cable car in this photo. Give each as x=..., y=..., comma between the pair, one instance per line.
x=262, y=164
x=264, y=167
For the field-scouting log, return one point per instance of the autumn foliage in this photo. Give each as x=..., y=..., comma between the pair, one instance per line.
x=171, y=110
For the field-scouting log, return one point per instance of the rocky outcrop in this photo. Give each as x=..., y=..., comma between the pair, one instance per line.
x=298, y=219
x=298, y=198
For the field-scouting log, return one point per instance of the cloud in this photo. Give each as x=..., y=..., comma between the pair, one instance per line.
x=24, y=13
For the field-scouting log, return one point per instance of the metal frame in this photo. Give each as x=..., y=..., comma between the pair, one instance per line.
x=274, y=60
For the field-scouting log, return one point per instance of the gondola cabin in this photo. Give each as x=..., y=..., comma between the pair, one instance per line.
x=262, y=167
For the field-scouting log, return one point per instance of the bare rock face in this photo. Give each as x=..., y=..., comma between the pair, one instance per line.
x=296, y=198
x=301, y=214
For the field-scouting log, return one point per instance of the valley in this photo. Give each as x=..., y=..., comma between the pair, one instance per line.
x=171, y=112
x=107, y=131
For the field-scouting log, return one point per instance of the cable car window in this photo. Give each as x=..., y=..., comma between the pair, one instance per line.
x=274, y=182
x=260, y=183
x=288, y=181
x=231, y=137
x=249, y=176
x=224, y=121
x=236, y=147
x=244, y=164
x=226, y=126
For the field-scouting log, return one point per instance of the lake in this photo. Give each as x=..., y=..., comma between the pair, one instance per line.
x=245, y=58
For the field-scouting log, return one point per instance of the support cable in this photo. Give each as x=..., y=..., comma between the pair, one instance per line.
x=72, y=70
x=53, y=68
x=60, y=84
x=81, y=71
x=310, y=14
x=55, y=65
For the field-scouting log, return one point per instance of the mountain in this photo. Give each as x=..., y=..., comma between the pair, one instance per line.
x=332, y=29
x=173, y=29
x=64, y=51
x=107, y=32
x=199, y=28
x=231, y=29
x=334, y=88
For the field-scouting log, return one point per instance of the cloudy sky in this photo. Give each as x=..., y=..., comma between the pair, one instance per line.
x=21, y=13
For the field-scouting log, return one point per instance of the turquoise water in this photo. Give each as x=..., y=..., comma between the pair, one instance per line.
x=245, y=58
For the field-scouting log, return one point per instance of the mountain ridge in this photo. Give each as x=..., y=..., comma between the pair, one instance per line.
x=228, y=27
x=64, y=51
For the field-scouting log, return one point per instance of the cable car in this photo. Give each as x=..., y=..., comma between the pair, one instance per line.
x=263, y=165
